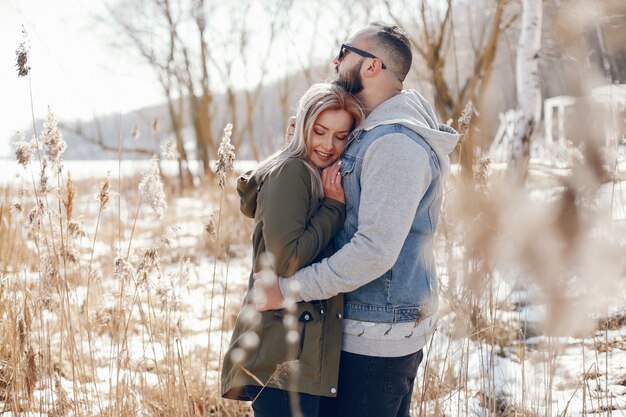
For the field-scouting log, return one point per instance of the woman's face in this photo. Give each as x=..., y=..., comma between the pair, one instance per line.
x=328, y=138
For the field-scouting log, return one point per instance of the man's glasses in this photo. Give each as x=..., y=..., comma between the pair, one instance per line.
x=345, y=47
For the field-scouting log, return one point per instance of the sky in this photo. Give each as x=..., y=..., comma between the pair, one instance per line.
x=74, y=70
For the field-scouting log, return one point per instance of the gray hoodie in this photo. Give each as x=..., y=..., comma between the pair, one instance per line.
x=395, y=176
x=412, y=110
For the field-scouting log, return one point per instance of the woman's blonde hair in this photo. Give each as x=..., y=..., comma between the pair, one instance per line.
x=317, y=99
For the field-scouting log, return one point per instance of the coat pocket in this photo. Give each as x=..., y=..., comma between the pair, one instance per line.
x=276, y=346
x=305, y=318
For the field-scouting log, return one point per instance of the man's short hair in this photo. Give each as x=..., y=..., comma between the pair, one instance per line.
x=397, y=46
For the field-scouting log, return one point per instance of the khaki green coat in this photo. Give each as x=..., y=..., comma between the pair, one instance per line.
x=297, y=229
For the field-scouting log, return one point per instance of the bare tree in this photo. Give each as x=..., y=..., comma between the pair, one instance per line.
x=528, y=89
x=246, y=55
x=167, y=76
x=202, y=120
x=226, y=63
x=155, y=28
x=162, y=56
x=251, y=96
x=301, y=58
x=436, y=45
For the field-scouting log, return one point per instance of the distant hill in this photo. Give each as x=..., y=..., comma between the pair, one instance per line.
x=135, y=128
x=560, y=74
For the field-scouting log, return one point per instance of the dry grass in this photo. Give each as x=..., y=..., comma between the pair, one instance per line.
x=13, y=254
x=65, y=243
x=502, y=407
x=120, y=256
x=613, y=322
x=561, y=242
x=93, y=287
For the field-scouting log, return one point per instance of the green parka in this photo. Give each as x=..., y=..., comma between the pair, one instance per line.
x=296, y=229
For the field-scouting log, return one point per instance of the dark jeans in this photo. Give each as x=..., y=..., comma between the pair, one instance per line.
x=272, y=402
x=375, y=387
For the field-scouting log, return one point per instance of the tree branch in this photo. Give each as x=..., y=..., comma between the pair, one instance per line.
x=99, y=141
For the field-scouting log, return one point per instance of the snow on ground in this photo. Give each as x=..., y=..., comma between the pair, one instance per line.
x=538, y=374
x=568, y=365
x=13, y=173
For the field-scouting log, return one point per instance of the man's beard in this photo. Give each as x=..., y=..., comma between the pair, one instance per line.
x=350, y=81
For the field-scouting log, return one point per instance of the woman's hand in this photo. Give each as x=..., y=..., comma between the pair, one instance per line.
x=331, y=181
x=267, y=294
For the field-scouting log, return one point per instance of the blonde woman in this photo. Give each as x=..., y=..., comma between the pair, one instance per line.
x=297, y=202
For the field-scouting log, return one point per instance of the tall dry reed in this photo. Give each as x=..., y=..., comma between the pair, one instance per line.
x=77, y=309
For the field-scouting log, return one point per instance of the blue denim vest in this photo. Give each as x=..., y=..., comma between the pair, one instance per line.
x=408, y=291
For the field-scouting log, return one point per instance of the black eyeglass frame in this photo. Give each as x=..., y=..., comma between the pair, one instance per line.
x=357, y=51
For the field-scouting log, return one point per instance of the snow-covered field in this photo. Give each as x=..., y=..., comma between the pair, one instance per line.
x=153, y=317
x=13, y=172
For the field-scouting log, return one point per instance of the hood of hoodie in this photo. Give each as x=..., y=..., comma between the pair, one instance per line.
x=411, y=110
x=248, y=190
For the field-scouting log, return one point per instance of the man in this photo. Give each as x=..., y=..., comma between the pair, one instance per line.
x=392, y=175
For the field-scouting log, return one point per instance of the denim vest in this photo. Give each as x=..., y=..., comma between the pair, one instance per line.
x=408, y=291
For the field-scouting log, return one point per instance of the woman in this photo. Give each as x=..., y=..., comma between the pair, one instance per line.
x=297, y=202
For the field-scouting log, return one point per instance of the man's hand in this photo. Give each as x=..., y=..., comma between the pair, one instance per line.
x=291, y=129
x=267, y=294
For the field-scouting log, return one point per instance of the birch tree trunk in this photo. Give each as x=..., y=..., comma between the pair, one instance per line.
x=527, y=84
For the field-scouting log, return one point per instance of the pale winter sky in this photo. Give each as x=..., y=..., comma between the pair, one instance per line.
x=73, y=70
x=78, y=74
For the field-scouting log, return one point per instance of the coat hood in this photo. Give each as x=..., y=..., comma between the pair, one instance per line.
x=411, y=110
x=248, y=190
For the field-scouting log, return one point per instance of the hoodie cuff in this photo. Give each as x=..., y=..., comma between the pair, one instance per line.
x=289, y=289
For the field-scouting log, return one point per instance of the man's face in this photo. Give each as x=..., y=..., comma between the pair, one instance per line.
x=348, y=66
x=350, y=78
